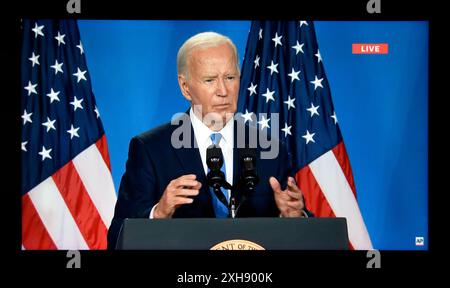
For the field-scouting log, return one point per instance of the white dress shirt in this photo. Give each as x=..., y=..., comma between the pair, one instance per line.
x=202, y=135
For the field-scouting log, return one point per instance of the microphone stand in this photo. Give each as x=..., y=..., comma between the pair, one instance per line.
x=247, y=188
x=232, y=205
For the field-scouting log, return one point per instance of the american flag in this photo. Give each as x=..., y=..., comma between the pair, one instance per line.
x=283, y=73
x=68, y=195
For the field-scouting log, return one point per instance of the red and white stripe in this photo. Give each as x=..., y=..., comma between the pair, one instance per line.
x=74, y=207
x=329, y=191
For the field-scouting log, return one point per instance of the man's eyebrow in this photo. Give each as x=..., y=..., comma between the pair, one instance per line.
x=210, y=76
x=216, y=75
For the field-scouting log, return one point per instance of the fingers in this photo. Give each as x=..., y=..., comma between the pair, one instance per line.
x=183, y=200
x=177, y=193
x=296, y=205
x=294, y=195
x=293, y=190
x=292, y=185
x=188, y=177
x=187, y=182
x=275, y=185
x=183, y=187
x=186, y=192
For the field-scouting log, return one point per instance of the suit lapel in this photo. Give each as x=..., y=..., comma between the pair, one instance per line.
x=237, y=164
x=190, y=158
x=191, y=163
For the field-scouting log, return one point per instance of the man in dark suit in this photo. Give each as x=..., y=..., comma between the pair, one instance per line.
x=164, y=180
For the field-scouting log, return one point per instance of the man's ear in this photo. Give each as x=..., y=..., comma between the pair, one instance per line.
x=184, y=87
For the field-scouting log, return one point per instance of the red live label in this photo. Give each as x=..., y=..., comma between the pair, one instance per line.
x=370, y=48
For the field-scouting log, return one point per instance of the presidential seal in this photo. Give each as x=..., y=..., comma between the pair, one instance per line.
x=237, y=244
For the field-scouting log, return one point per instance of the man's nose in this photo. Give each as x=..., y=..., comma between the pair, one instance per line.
x=221, y=88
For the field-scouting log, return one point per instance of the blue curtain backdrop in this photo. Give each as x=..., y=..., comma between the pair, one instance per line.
x=381, y=102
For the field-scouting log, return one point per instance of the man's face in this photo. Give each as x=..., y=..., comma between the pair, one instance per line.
x=213, y=81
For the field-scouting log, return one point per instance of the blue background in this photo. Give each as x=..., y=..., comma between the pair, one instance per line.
x=381, y=103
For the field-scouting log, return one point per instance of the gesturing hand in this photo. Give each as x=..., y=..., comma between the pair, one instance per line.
x=290, y=201
x=177, y=193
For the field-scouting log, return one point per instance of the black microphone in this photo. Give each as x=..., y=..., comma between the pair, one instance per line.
x=249, y=176
x=215, y=177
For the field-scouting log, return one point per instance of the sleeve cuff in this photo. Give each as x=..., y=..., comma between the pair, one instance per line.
x=153, y=210
x=304, y=214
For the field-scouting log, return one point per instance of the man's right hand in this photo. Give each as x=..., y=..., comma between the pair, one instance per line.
x=177, y=193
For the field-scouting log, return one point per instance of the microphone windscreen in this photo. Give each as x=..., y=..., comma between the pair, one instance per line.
x=248, y=158
x=214, y=157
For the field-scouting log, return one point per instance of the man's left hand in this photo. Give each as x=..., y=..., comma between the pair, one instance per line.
x=290, y=201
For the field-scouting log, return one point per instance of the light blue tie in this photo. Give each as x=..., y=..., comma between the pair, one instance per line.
x=219, y=208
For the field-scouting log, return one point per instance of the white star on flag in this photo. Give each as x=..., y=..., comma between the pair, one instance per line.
x=97, y=112
x=272, y=67
x=256, y=61
x=290, y=102
x=277, y=39
x=24, y=144
x=260, y=33
x=252, y=89
x=269, y=95
x=247, y=116
x=309, y=137
x=317, y=82
x=294, y=75
x=303, y=23
x=73, y=131
x=45, y=153
x=264, y=122
x=286, y=130
x=31, y=88
x=60, y=38
x=81, y=48
x=49, y=124
x=57, y=67
x=298, y=48
x=334, y=117
x=80, y=75
x=319, y=57
x=53, y=95
x=76, y=103
x=34, y=59
x=38, y=30
x=313, y=110
x=26, y=117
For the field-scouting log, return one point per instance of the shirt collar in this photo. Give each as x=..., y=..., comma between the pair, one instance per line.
x=202, y=132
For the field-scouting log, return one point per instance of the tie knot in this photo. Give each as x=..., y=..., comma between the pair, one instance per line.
x=215, y=138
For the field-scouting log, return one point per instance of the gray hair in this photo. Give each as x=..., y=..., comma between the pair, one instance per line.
x=198, y=41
